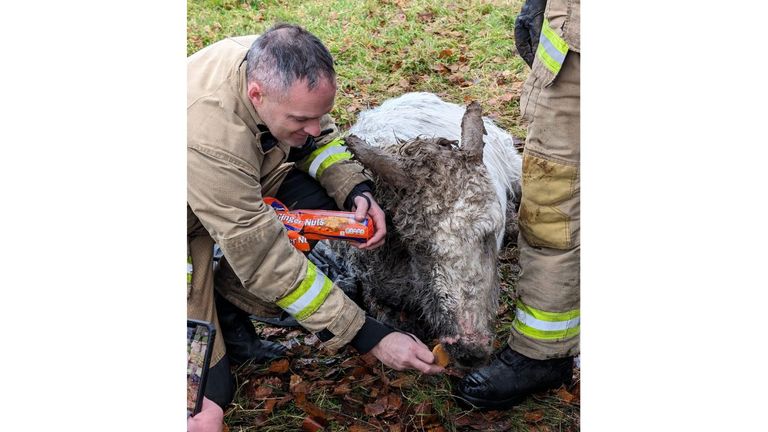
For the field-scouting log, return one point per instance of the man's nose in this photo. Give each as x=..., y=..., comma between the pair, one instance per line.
x=312, y=127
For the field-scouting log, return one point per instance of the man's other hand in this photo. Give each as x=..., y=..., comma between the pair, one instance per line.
x=362, y=208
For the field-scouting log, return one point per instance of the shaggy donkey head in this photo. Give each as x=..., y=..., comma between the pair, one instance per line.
x=438, y=266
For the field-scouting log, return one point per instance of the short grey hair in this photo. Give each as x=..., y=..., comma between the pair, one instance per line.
x=287, y=53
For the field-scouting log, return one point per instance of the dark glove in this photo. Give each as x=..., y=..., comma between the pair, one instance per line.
x=528, y=28
x=366, y=186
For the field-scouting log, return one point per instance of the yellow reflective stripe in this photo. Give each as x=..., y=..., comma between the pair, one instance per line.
x=547, y=316
x=552, y=48
x=545, y=335
x=330, y=160
x=310, y=294
x=189, y=268
x=539, y=324
x=325, y=156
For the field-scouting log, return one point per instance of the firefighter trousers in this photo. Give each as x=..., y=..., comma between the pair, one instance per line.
x=547, y=318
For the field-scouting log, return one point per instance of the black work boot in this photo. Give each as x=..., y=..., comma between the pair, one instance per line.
x=510, y=378
x=240, y=336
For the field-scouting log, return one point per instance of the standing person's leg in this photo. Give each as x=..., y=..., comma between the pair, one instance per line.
x=547, y=318
x=545, y=333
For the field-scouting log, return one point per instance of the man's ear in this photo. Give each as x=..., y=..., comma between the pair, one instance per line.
x=255, y=93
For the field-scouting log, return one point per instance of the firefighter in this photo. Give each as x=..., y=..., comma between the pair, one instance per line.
x=545, y=333
x=257, y=126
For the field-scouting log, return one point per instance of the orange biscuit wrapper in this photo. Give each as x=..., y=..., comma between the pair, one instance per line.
x=305, y=225
x=328, y=224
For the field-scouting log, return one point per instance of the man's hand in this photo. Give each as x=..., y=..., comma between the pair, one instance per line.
x=209, y=419
x=528, y=29
x=403, y=351
x=362, y=208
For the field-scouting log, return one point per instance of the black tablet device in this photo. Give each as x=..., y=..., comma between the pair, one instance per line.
x=200, y=335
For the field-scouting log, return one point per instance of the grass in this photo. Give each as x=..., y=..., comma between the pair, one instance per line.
x=462, y=51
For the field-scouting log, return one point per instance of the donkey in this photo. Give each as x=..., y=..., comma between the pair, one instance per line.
x=449, y=182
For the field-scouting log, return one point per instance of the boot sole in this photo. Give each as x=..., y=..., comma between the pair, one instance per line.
x=486, y=404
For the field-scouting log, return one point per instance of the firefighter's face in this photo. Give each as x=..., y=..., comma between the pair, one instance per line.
x=294, y=115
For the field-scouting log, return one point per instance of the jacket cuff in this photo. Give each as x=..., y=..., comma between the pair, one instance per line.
x=370, y=334
x=344, y=326
x=366, y=186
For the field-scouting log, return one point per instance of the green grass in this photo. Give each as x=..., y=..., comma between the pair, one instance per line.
x=460, y=50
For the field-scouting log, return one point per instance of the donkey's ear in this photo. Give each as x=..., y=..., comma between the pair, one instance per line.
x=472, y=130
x=381, y=164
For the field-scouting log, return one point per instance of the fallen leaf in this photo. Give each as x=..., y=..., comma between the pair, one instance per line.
x=440, y=68
x=359, y=371
x=269, y=405
x=368, y=359
x=295, y=381
x=284, y=400
x=342, y=389
x=425, y=17
x=262, y=392
x=403, y=382
x=506, y=97
x=311, y=425
x=311, y=340
x=445, y=53
x=533, y=416
x=314, y=411
x=376, y=408
x=279, y=366
x=394, y=402
x=349, y=398
x=268, y=332
x=422, y=408
x=293, y=334
x=565, y=395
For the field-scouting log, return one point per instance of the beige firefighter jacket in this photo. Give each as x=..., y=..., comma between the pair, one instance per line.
x=226, y=167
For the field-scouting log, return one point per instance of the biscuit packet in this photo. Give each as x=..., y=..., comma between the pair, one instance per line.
x=303, y=225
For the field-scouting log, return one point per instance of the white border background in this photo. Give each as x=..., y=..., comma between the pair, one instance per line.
x=92, y=175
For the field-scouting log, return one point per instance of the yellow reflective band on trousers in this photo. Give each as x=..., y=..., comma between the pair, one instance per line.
x=325, y=156
x=310, y=294
x=542, y=325
x=552, y=48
